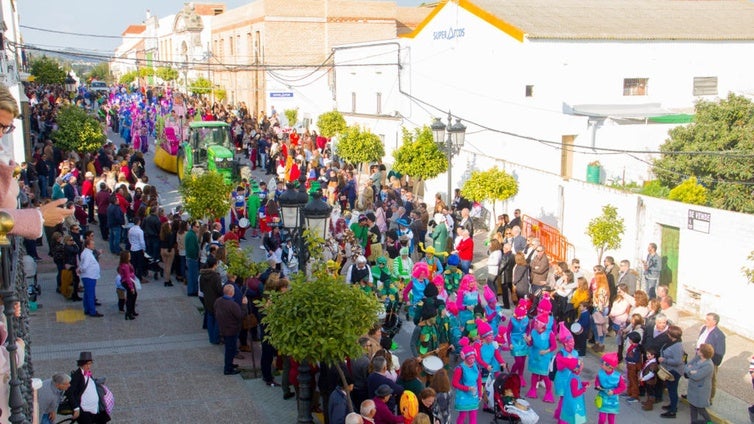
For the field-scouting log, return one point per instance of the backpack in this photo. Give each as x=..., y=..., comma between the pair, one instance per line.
x=58, y=253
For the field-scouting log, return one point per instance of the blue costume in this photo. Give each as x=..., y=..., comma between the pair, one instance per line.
x=563, y=377
x=468, y=401
x=539, y=364
x=610, y=403
x=518, y=330
x=574, y=407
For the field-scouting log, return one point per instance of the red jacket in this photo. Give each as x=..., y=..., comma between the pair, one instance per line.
x=466, y=249
x=384, y=415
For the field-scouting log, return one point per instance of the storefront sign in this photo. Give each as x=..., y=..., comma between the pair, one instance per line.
x=699, y=221
x=449, y=34
x=279, y=94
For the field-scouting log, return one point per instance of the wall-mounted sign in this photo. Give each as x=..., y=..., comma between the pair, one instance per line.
x=699, y=221
x=279, y=94
x=449, y=34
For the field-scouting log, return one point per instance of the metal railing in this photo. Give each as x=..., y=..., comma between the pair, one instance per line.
x=556, y=244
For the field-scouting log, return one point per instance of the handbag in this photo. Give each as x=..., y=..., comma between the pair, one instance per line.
x=137, y=283
x=250, y=321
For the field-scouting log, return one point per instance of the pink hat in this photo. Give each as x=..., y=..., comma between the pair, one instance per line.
x=420, y=269
x=483, y=328
x=468, y=282
x=467, y=348
x=611, y=359
x=564, y=334
x=545, y=305
x=543, y=318
x=439, y=281
x=520, y=311
x=525, y=302
x=566, y=363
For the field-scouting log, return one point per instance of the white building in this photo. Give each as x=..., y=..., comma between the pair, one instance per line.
x=16, y=145
x=546, y=87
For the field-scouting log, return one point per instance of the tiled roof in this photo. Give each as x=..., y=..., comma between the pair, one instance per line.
x=135, y=29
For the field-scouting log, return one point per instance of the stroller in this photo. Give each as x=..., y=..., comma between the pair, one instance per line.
x=153, y=265
x=509, y=408
x=392, y=323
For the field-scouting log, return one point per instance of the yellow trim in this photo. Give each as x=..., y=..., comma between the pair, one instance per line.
x=477, y=11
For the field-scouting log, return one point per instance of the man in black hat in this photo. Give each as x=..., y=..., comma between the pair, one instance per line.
x=384, y=414
x=88, y=408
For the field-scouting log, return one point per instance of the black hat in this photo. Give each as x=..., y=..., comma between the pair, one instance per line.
x=383, y=391
x=85, y=357
x=634, y=337
x=431, y=290
x=371, y=216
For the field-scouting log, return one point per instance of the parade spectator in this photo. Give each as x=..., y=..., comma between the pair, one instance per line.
x=711, y=334
x=83, y=393
x=50, y=395
x=229, y=317
x=700, y=371
x=652, y=266
x=671, y=357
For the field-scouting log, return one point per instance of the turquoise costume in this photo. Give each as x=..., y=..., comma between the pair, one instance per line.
x=563, y=377
x=539, y=364
x=518, y=330
x=468, y=401
x=610, y=403
x=465, y=316
x=487, y=353
x=574, y=407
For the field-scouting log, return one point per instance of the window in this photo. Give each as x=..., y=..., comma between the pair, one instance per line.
x=379, y=103
x=635, y=86
x=230, y=45
x=705, y=86
x=353, y=102
x=529, y=91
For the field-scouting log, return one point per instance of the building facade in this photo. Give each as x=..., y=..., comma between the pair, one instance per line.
x=15, y=146
x=546, y=87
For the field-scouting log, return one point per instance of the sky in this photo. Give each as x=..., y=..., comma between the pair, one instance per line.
x=100, y=17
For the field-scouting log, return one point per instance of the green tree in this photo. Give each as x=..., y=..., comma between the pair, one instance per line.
x=319, y=320
x=419, y=156
x=146, y=72
x=331, y=124
x=239, y=261
x=220, y=94
x=292, y=116
x=166, y=74
x=655, y=188
x=493, y=184
x=747, y=271
x=201, y=86
x=100, y=72
x=357, y=146
x=47, y=71
x=128, y=77
x=726, y=127
x=606, y=230
x=206, y=195
x=689, y=191
x=77, y=131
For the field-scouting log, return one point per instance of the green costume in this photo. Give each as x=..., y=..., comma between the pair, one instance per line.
x=383, y=280
x=360, y=233
x=452, y=277
x=401, y=270
x=253, y=203
x=440, y=238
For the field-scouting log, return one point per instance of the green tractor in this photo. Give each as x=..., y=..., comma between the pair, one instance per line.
x=210, y=148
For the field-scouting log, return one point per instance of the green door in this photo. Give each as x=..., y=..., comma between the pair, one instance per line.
x=669, y=257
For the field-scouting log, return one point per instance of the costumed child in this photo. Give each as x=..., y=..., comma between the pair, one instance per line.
x=489, y=359
x=609, y=384
x=562, y=379
x=649, y=377
x=425, y=336
x=584, y=320
x=402, y=266
x=542, y=346
x=467, y=380
x=452, y=274
x=433, y=262
x=574, y=405
x=439, y=282
x=516, y=333
x=488, y=301
x=383, y=281
x=545, y=307
x=413, y=294
x=448, y=331
x=467, y=302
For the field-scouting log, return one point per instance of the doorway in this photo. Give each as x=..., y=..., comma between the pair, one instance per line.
x=669, y=258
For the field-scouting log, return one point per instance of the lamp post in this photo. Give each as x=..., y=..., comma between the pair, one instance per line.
x=297, y=213
x=451, y=145
x=16, y=400
x=70, y=85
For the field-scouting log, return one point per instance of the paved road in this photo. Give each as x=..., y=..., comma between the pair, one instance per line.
x=162, y=369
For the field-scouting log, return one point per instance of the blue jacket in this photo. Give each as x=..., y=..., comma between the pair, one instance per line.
x=717, y=339
x=115, y=216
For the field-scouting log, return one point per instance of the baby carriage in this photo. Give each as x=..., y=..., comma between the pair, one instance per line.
x=509, y=408
x=391, y=324
x=153, y=265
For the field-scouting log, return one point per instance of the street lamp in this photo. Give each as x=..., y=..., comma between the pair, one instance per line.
x=70, y=84
x=456, y=135
x=317, y=215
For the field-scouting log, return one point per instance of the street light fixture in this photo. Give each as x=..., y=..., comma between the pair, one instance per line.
x=451, y=145
x=317, y=215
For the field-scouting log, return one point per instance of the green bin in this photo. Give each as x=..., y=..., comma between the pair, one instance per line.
x=593, y=174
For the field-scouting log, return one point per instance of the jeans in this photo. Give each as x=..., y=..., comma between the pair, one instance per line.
x=43, y=192
x=192, y=277
x=263, y=160
x=89, y=295
x=672, y=387
x=181, y=266
x=465, y=266
x=153, y=247
x=139, y=263
x=268, y=353
x=46, y=419
x=212, y=328
x=230, y=352
x=114, y=240
x=31, y=247
x=651, y=287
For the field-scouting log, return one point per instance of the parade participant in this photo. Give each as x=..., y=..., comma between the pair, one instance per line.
x=238, y=210
x=425, y=336
x=439, y=234
x=383, y=280
x=405, y=231
x=359, y=272
x=413, y=294
x=545, y=307
x=402, y=267
x=542, y=346
x=452, y=274
x=467, y=380
x=439, y=282
x=433, y=262
x=488, y=355
x=448, y=331
x=563, y=376
x=609, y=384
x=488, y=301
x=467, y=301
x=574, y=406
